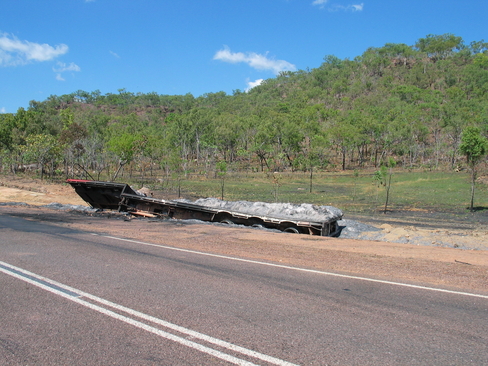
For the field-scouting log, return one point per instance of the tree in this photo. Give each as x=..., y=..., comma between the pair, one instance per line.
x=276, y=177
x=124, y=146
x=178, y=167
x=7, y=124
x=43, y=149
x=379, y=178
x=474, y=146
x=439, y=46
x=391, y=164
x=71, y=139
x=221, y=172
x=382, y=177
x=344, y=134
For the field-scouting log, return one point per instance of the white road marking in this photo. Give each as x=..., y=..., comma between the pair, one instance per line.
x=298, y=268
x=76, y=296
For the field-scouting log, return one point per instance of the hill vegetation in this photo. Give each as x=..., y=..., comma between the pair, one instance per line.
x=394, y=105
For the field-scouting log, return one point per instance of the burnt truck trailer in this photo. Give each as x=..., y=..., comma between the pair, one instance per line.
x=302, y=219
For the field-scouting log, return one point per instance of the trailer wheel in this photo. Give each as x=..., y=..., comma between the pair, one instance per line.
x=291, y=229
x=228, y=222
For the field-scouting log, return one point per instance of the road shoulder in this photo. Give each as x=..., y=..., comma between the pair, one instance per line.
x=450, y=268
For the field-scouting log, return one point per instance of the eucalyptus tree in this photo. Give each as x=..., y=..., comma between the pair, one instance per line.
x=226, y=131
x=15, y=130
x=42, y=149
x=262, y=145
x=373, y=128
x=345, y=135
x=221, y=172
x=124, y=146
x=475, y=77
x=248, y=123
x=288, y=132
x=438, y=47
x=197, y=124
x=72, y=140
x=7, y=125
x=399, y=53
x=454, y=117
x=375, y=61
x=474, y=146
x=315, y=144
x=180, y=136
x=27, y=122
x=177, y=166
x=408, y=131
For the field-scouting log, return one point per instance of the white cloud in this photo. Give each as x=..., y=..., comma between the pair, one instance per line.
x=14, y=52
x=62, y=67
x=336, y=7
x=320, y=3
x=255, y=60
x=358, y=7
x=3, y=110
x=114, y=54
x=252, y=84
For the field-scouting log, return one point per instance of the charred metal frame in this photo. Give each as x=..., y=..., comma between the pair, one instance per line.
x=121, y=197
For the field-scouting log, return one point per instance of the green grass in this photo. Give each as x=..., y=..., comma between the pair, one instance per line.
x=437, y=191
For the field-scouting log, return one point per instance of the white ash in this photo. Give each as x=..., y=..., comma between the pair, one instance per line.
x=63, y=207
x=302, y=212
x=13, y=204
x=144, y=191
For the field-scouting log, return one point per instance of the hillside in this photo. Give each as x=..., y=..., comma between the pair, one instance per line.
x=396, y=104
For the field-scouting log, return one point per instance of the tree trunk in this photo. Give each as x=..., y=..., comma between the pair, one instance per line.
x=311, y=178
x=387, y=193
x=121, y=164
x=222, y=185
x=473, y=183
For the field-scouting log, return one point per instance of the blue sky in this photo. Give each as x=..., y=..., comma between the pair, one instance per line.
x=55, y=47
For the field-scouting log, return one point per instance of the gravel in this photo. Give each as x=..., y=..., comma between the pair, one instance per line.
x=352, y=229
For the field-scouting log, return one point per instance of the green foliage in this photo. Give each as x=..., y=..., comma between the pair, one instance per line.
x=42, y=149
x=221, y=168
x=439, y=46
x=400, y=102
x=473, y=145
x=431, y=191
x=124, y=146
x=7, y=125
x=221, y=172
x=379, y=176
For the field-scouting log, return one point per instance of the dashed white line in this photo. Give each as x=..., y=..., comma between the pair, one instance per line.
x=298, y=268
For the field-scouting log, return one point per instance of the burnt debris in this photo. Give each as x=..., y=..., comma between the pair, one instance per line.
x=303, y=219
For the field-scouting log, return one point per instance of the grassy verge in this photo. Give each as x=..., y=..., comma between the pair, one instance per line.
x=436, y=191
x=429, y=191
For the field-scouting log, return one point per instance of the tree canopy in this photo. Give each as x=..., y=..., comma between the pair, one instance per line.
x=407, y=103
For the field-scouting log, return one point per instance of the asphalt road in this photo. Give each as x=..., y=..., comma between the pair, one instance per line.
x=72, y=297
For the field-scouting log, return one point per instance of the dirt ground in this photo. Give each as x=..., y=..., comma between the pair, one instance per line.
x=439, y=261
